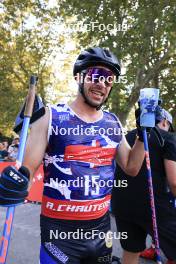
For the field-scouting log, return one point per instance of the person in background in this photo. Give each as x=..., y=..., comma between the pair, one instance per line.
x=14, y=142
x=12, y=156
x=3, y=151
x=6, y=144
x=133, y=214
x=13, y=149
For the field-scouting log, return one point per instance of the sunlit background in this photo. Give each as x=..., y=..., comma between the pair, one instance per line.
x=45, y=38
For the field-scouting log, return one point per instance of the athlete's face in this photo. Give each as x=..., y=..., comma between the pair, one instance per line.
x=97, y=84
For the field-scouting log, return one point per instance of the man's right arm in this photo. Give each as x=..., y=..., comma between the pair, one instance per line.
x=13, y=182
x=36, y=143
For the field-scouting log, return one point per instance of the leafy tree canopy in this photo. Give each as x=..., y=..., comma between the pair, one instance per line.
x=141, y=34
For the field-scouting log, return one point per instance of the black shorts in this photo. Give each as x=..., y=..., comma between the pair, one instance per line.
x=137, y=232
x=78, y=242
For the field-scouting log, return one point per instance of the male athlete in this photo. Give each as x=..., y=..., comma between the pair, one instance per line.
x=77, y=144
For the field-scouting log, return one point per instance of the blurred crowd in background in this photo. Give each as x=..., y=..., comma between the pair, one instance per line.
x=9, y=150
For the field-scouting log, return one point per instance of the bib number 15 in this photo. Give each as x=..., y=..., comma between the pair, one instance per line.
x=91, y=185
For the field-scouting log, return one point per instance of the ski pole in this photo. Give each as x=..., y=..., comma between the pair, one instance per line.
x=5, y=240
x=152, y=199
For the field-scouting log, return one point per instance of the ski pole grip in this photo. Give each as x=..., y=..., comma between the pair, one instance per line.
x=30, y=97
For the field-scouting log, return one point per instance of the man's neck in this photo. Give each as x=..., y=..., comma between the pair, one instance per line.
x=84, y=111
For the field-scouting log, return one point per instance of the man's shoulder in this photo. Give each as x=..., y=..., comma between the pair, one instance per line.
x=110, y=114
x=42, y=123
x=171, y=136
x=59, y=107
x=168, y=136
x=170, y=142
x=111, y=117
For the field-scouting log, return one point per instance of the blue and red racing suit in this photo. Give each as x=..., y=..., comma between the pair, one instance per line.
x=79, y=167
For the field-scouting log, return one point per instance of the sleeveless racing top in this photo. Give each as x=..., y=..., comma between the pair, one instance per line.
x=79, y=165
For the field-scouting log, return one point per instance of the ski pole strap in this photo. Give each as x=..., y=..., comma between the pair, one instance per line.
x=38, y=112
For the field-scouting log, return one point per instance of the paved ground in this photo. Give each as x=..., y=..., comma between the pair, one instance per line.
x=25, y=239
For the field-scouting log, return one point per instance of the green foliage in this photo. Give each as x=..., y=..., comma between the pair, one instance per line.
x=144, y=41
x=27, y=41
x=30, y=41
